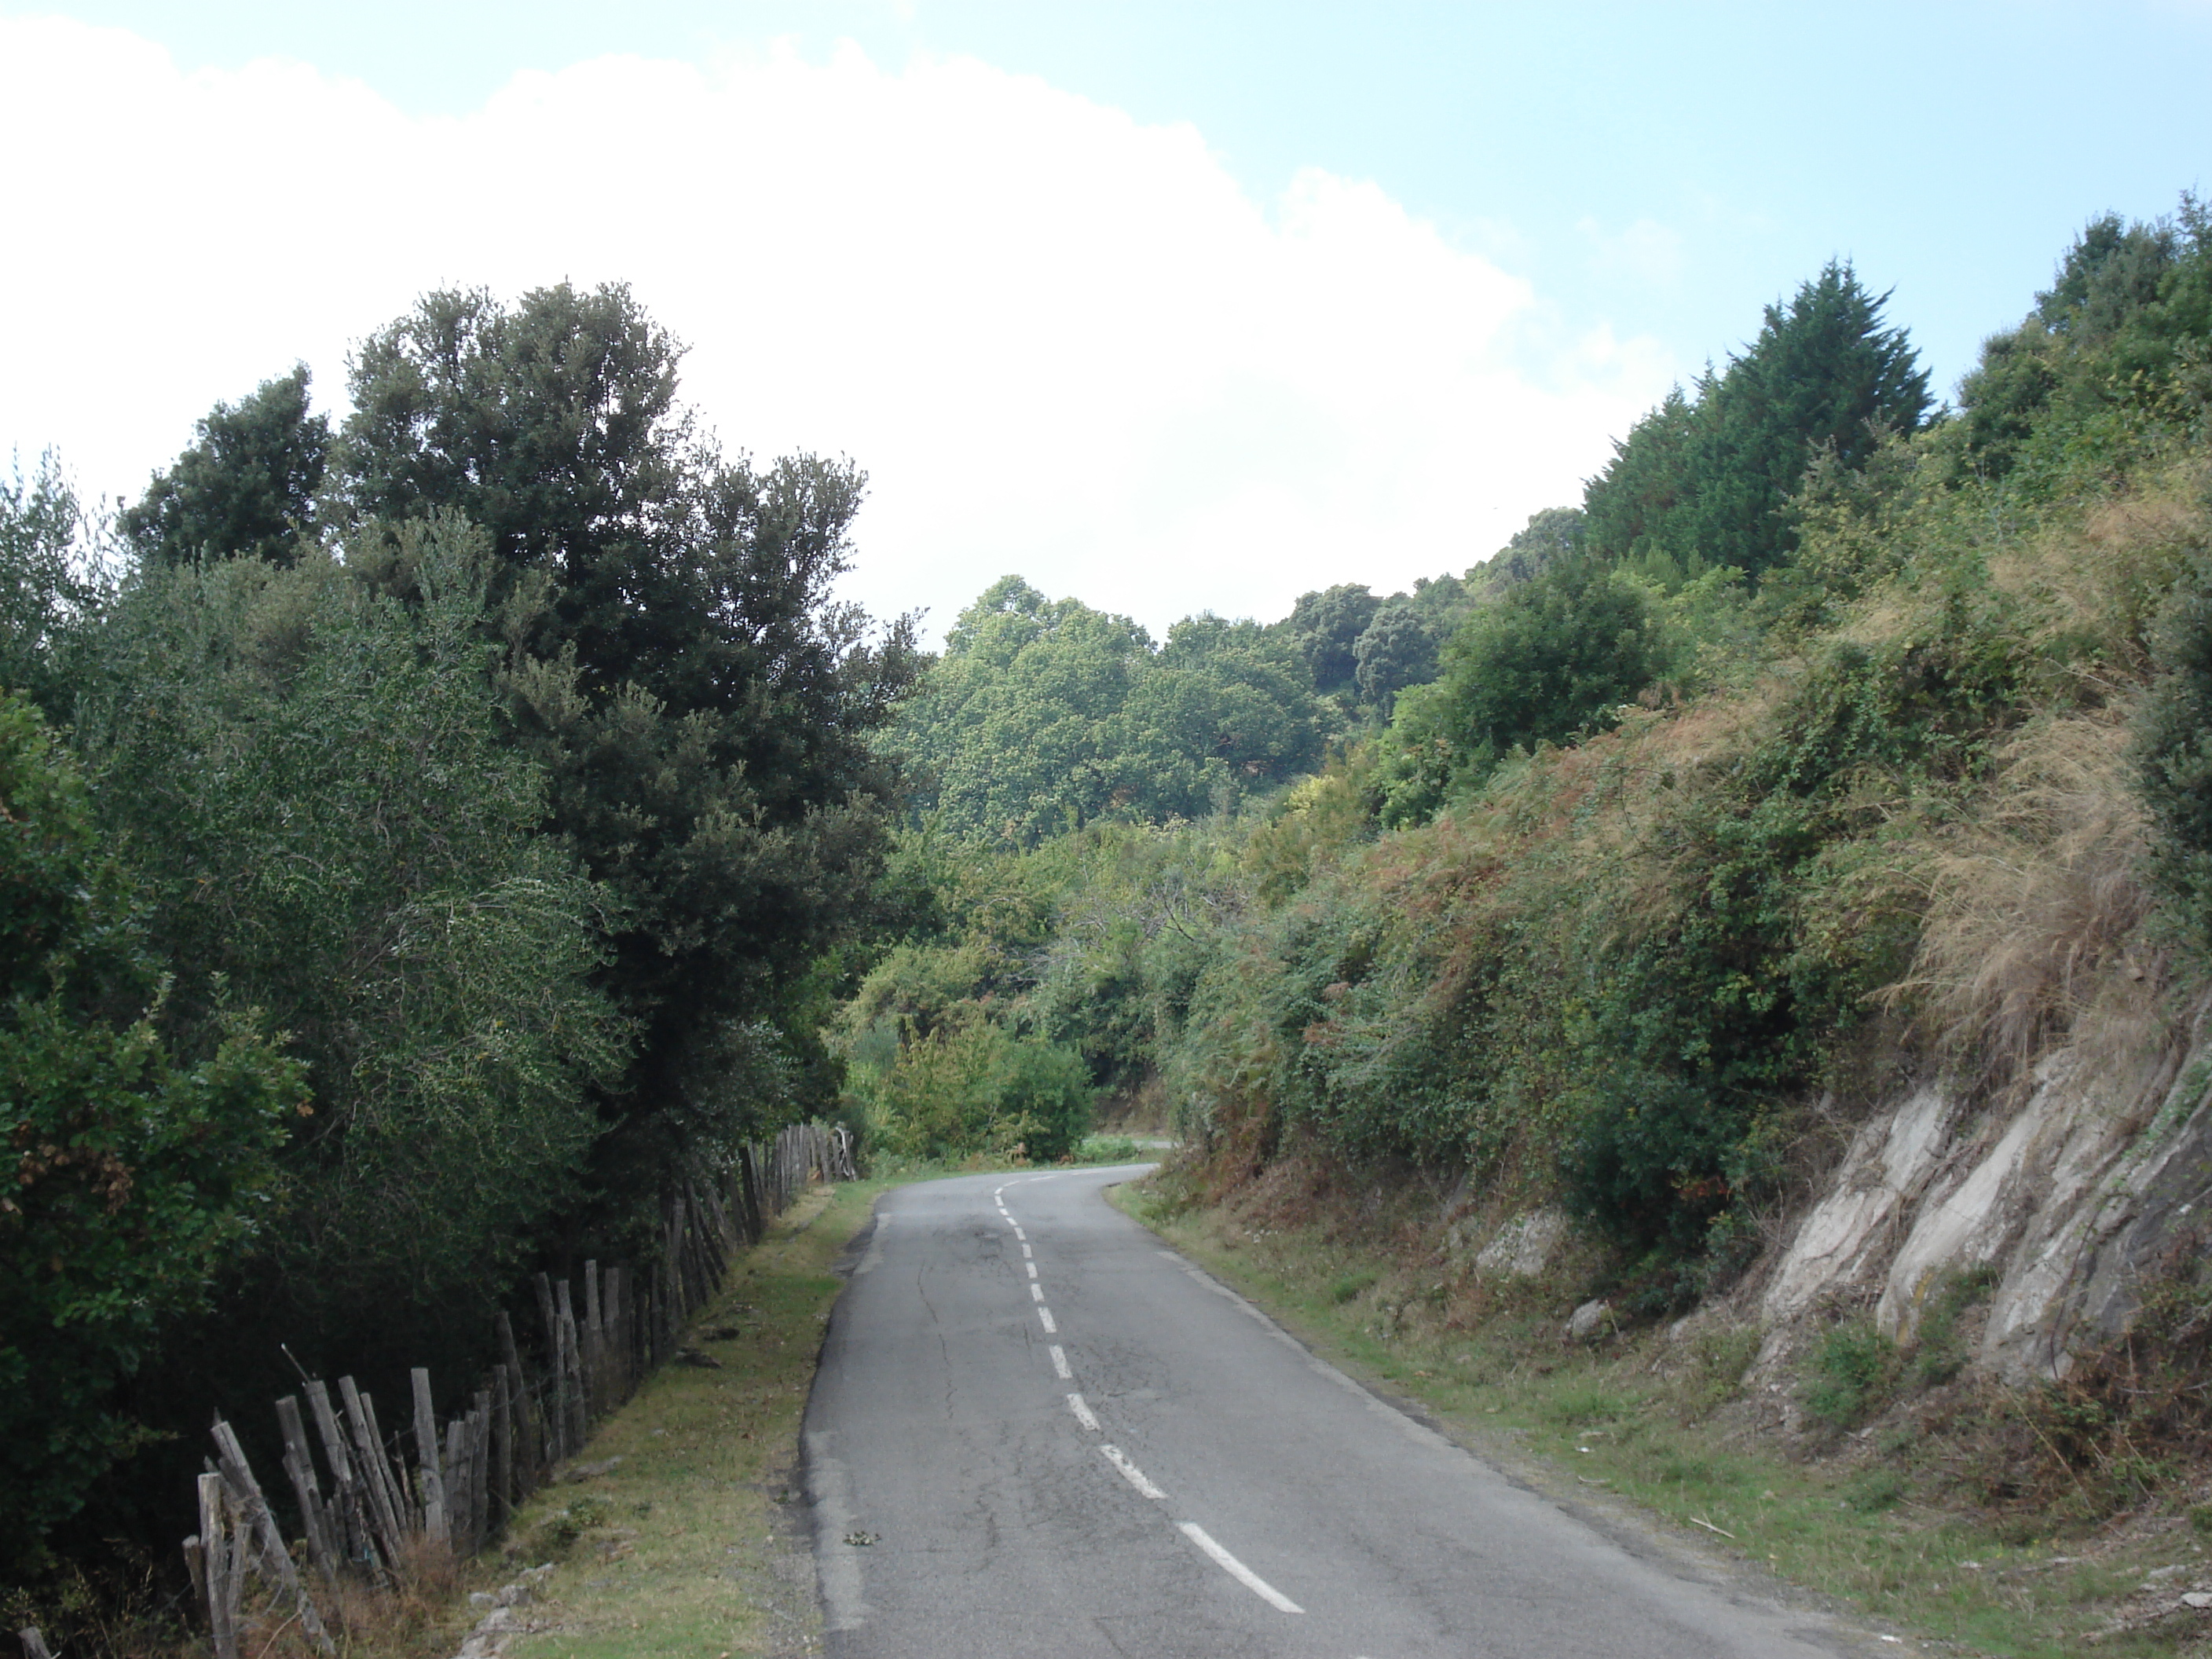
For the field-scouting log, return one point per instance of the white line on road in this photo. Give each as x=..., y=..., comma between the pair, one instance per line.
x=1037, y=1292
x=1075, y=1404
x=1059, y=1364
x=1235, y=1569
x=1031, y=1265
x=1018, y=1233
x=1135, y=1476
x=1025, y=1248
x=1045, y=1315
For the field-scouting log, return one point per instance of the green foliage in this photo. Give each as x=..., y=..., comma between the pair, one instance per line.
x=1552, y=535
x=1940, y=1349
x=970, y=1086
x=51, y=585
x=1326, y=624
x=674, y=662
x=134, y=1177
x=308, y=781
x=2174, y=747
x=245, y=489
x=1044, y=716
x=1399, y=649
x=2116, y=351
x=1703, y=482
x=1852, y=1372
x=1556, y=655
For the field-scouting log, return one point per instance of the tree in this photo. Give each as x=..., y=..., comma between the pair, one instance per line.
x=1328, y=624
x=1551, y=534
x=132, y=1176
x=1045, y=715
x=1397, y=650
x=1553, y=657
x=51, y=585
x=672, y=657
x=2116, y=346
x=245, y=489
x=1705, y=482
x=312, y=788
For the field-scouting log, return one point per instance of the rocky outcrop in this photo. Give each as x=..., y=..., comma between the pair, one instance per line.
x=2091, y=1186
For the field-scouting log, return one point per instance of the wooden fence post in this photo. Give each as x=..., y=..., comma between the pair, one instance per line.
x=300, y=1466
x=276, y=1560
x=221, y=1568
x=435, y=1526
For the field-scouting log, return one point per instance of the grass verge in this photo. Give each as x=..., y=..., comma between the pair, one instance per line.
x=670, y=1533
x=1647, y=1427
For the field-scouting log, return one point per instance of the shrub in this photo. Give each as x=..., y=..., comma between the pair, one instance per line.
x=1852, y=1373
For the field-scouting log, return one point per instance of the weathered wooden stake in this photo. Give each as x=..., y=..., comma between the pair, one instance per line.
x=245, y=1491
x=300, y=1466
x=434, y=1513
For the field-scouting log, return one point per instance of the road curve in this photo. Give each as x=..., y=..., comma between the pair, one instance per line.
x=1034, y=1431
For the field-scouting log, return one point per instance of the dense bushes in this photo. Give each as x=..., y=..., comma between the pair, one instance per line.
x=134, y=1174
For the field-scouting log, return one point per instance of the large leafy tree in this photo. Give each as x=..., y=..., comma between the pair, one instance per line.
x=1045, y=715
x=246, y=487
x=1327, y=623
x=1705, y=482
x=673, y=657
x=311, y=784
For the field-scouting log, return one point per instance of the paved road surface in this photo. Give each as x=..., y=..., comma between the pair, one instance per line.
x=1036, y=1432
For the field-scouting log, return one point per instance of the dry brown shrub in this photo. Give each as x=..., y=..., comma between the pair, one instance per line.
x=2035, y=906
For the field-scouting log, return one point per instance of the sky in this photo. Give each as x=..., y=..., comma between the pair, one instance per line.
x=1173, y=305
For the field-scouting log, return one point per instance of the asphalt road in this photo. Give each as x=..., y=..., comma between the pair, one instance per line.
x=1035, y=1431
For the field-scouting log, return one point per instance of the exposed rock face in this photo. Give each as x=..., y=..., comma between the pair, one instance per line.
x=1525, y=1247
x=2090, y=1185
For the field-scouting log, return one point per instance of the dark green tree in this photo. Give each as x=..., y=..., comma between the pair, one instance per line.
x=311, y=786
x=1326, y=624
x=674, y=658
x=1045, y=715
x=1705, y=482
x=246, y=487
x=2120, y=345
x=1550, y=535
x=1399, y=649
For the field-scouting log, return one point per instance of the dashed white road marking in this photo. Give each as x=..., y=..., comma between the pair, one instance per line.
x=1237, y=1570
x=1136, y=1477
x=1133, y=1474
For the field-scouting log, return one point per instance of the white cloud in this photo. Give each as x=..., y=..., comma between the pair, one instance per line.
x=1062, y=343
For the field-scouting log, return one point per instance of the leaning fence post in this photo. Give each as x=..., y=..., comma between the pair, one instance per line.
x=246, y=1491
x=300, y=1466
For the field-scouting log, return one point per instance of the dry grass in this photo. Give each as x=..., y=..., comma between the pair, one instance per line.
x=2035, y=908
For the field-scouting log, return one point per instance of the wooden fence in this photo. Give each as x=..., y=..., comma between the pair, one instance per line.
x=386, y=1497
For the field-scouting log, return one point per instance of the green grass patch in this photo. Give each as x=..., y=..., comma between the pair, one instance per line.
x=684, y=1546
